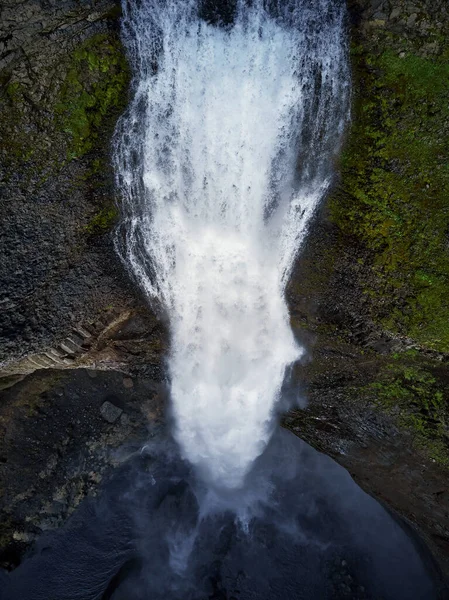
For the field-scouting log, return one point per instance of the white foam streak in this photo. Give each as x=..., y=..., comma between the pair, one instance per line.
x=221, y=161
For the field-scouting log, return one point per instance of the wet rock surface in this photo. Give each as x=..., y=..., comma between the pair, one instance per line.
x=61, y=434
x=377, y=396
x=336, y=388
x=315, y=534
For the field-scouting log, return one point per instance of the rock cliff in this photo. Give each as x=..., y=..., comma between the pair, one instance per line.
x=368, y=296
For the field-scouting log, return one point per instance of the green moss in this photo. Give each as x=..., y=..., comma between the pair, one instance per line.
x=41, y=133
x=418, y=395
x=93, y=88
x=14, y=141
x=14, y=91
x=102, y=222
x=394, y=195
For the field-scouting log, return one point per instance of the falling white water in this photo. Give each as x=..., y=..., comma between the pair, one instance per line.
x=224, y=153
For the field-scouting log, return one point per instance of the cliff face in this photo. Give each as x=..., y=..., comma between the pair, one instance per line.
x=368, y=296
x=395, y=179
x=383, y=262
x=63, y=83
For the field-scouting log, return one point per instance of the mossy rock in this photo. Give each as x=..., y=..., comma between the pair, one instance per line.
x=394, y=195
x=103, y=221
x=93, y=89
x=416, y=392
x=41, y=132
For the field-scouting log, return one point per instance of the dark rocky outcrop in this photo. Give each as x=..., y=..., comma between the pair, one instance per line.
x=65, y=299
x=62, y=431
x=369, y=294
x=63, y=83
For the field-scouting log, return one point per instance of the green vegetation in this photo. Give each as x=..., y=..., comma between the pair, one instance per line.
x=103, y=221
x=45, y=128
x=14, y=142
x=418, y=395
x=394, y=196
x=93, y=88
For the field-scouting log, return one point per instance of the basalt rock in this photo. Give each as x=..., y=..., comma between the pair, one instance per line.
x=63, y=84
x=368, y=296
x=58, y=442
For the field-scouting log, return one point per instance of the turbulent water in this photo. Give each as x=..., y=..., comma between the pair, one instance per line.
x=226, y=149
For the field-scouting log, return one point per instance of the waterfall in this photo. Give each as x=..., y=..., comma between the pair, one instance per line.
x=221, y=159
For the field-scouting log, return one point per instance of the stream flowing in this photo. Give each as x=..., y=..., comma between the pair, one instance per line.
x=228, y=146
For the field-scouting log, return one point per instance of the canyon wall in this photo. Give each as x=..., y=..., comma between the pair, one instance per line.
x=368, y=296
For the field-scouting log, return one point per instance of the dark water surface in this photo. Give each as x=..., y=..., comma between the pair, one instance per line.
x=313, y=535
